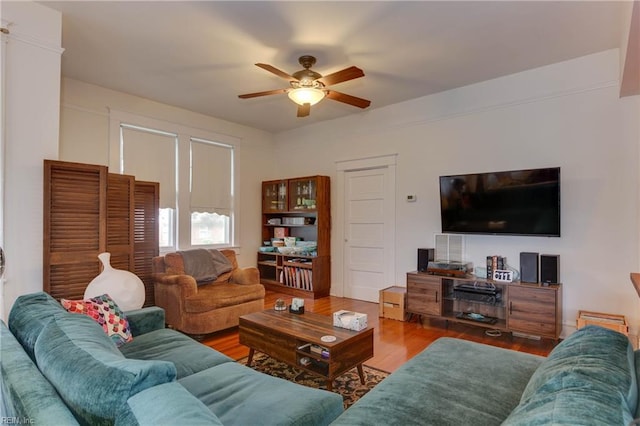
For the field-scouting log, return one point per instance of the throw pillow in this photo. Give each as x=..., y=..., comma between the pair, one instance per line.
x=104, y=310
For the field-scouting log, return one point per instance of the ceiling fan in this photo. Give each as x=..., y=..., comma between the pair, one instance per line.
x=309, y=87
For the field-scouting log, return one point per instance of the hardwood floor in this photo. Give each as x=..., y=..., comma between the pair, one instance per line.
x=395, y=342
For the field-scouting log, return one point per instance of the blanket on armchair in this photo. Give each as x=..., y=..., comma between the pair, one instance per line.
x=205, y=265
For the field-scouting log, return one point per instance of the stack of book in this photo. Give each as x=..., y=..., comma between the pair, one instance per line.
x=320, y=350
x=494, y=263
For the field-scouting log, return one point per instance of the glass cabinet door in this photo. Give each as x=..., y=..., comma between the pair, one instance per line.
x=274, y=196
x=302, y=194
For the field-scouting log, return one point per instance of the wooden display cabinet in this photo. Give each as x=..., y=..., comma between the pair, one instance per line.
x=300, y=207
x=274, y=196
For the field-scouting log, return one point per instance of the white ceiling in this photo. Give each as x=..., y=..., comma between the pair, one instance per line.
x=200, y=55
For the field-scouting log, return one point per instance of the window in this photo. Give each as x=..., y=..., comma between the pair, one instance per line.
x=196, y=172
x=211, y=192
x=167, y=228
x=150, y=155
x=209, y=229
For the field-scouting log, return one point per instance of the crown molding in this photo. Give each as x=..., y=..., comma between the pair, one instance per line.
x=28, y=39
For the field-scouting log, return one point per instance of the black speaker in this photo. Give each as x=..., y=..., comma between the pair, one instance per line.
x=425, y=255
x=528, y=267
x=549, y=268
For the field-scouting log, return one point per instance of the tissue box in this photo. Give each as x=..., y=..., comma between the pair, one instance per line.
x=350, y=320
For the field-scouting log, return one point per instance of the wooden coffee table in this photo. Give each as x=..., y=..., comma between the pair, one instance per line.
x=288, y=338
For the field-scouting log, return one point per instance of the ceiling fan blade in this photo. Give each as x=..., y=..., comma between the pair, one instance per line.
x=340, y=76
x=304, y=110
x=348, y=99
x=277, y=72
x=268, y=92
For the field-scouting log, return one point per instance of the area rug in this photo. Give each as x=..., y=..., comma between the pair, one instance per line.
x=348, y=385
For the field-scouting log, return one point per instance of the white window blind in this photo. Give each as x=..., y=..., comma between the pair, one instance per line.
x=211, y=177
x=151, y=156
x=195, y=170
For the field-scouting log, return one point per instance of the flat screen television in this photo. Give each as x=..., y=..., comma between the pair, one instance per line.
x=517, y=202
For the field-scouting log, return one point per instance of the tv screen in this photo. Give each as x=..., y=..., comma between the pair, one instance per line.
x=517, y=202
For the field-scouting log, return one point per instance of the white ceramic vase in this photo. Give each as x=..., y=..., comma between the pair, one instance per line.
x=124, y=287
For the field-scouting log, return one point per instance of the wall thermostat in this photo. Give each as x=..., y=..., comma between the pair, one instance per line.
x=411, y=198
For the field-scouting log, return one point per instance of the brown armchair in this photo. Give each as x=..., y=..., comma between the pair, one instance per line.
x=202, y=308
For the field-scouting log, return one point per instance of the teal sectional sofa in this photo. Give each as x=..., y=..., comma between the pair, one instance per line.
x=590, y=378
x=60, y=368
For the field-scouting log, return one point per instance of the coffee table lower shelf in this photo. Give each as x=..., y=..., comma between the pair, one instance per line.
x=315, y=371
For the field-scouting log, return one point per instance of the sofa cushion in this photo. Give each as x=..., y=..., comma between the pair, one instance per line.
x=451, y=382
x=186, y=354
x=589, y=378
x=29, y=315
x=173, y=264
x=215, y=296
x=146, y=320
x=179, y=407
x=103, y=310
x=27, y=396
x=89, y=372
x=238, y=395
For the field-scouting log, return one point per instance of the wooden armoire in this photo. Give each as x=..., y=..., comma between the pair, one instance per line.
x=88, y=211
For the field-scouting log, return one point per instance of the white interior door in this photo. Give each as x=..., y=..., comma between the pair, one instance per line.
x=369, y=213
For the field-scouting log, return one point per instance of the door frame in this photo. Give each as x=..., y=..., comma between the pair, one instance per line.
x=342, y=167
x=4, y=39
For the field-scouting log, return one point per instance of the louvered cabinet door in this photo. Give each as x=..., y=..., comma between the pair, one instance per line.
x=146, y=234
x=74, y=226
x=120, y=222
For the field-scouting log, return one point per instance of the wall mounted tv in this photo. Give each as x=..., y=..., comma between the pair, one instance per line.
x=517, y=202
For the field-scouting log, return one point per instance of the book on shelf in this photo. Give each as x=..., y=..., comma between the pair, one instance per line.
x=295, y=277
x=317, y=349
x=494, y=263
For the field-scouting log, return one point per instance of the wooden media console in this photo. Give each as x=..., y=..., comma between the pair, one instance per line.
x=531, y=309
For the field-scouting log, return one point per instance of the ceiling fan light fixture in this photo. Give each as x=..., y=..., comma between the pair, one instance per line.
x=306, y=95
x=308, y=87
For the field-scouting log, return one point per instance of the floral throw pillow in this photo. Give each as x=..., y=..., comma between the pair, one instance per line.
x=104, y=310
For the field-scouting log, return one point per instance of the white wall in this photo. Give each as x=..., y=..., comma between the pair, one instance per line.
x=32, y=73
x=84, y=137
x=567, y=114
